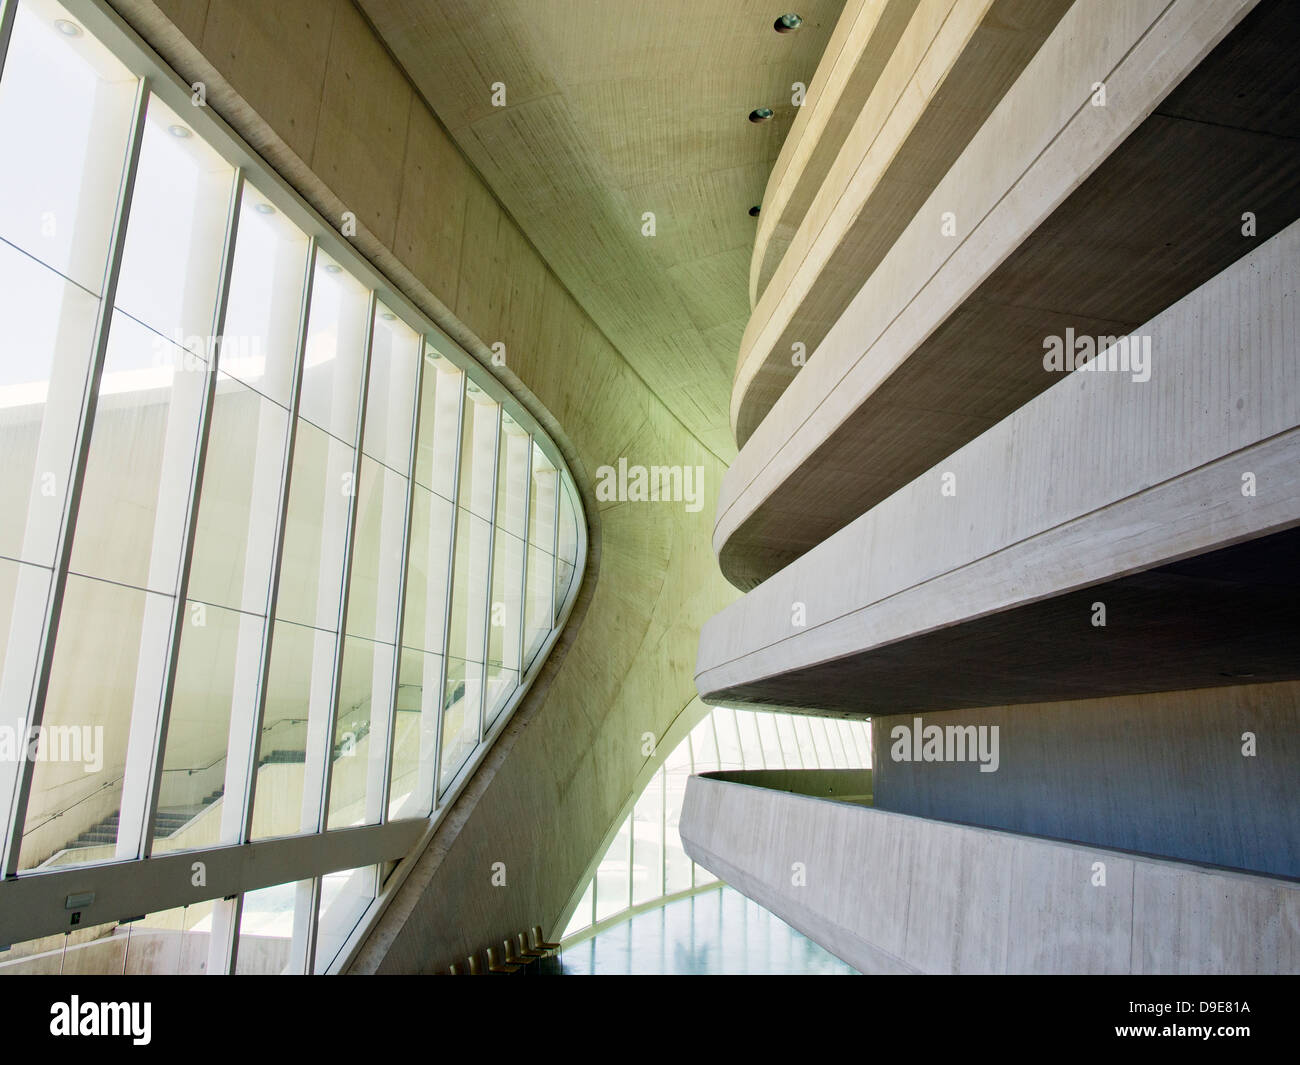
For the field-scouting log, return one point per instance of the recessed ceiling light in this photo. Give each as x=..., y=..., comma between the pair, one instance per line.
x=754, y=211
x=263, y=208
x=388, y=316
x=474, y=389
x=178, y=131
x=760, y=114
x=68, y=29
x=333, y=268
x=788, y=23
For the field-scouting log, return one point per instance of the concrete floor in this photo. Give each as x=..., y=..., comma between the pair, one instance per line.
x=716, y=933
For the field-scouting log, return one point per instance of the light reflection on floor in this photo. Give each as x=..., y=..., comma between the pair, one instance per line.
x=712, y=934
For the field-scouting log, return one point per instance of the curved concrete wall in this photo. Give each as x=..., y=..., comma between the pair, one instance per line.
x=336, y=116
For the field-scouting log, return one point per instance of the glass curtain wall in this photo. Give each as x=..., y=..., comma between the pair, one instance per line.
x=646, y=860
x=271, y=561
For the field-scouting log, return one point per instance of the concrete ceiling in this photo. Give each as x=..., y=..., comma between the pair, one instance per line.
x=614, y=108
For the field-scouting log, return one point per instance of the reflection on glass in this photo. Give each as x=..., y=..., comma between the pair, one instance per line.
x=344, y=898
x=613, y=875
x=74, y=99
x=333, y=361
x=267, y=923
x=172, y=257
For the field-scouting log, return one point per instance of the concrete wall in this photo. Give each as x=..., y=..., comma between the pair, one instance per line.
x=311, y=87
x=890, y=893
x=1163, y=774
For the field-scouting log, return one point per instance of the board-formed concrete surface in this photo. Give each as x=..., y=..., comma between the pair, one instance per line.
x=1058, y=215
x=1096, y=479
x=892, y=893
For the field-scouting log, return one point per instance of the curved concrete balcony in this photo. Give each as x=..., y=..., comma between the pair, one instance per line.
x=893, y=893
x=1166, y=499
x=1060, y=212
x=902, y=89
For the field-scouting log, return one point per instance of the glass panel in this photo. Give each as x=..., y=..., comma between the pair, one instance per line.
x=567, y=544
x=427, y=576
x=24, y=591
x=750, y=745
x=312, y=568
x=172, y=258
x=98, y=950
x=647, y=842
x=612, y=876
x=807, y=750
x=465, y=643
x=336, y=337
x=415, y=734
x=358, y=758
x=170, y=943
x=789, y=742
x=460, y=717
x=478, y=452
x=216, y=684
x=825, y=756
x=49, y=328
x=704, y=747
x=267, y=924
x=677, y=866
x=131, y=521
x=390, y=391
x=506, y=619
x=260, y=336
x=298, y=689
x=542, y=500
x=769, y=741
x=239, y=505
x=108, y=665
x=344, y=898
x=729, y=750
x=377, y=554
x=74, y=99
x=537, y=623
x=582, y=915
x=512, y=476
x=440, y=396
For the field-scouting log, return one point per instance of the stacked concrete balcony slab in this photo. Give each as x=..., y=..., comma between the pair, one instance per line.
x=942, y=524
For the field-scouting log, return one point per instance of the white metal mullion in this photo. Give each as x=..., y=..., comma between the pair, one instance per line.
x=77, y=474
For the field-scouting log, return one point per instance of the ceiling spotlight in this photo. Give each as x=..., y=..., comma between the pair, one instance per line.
x=179, y=132
x=68, y=29
x=788, y=23
x=263, y=208
x=760, y=114
x=333, y=268
x=753, y=211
